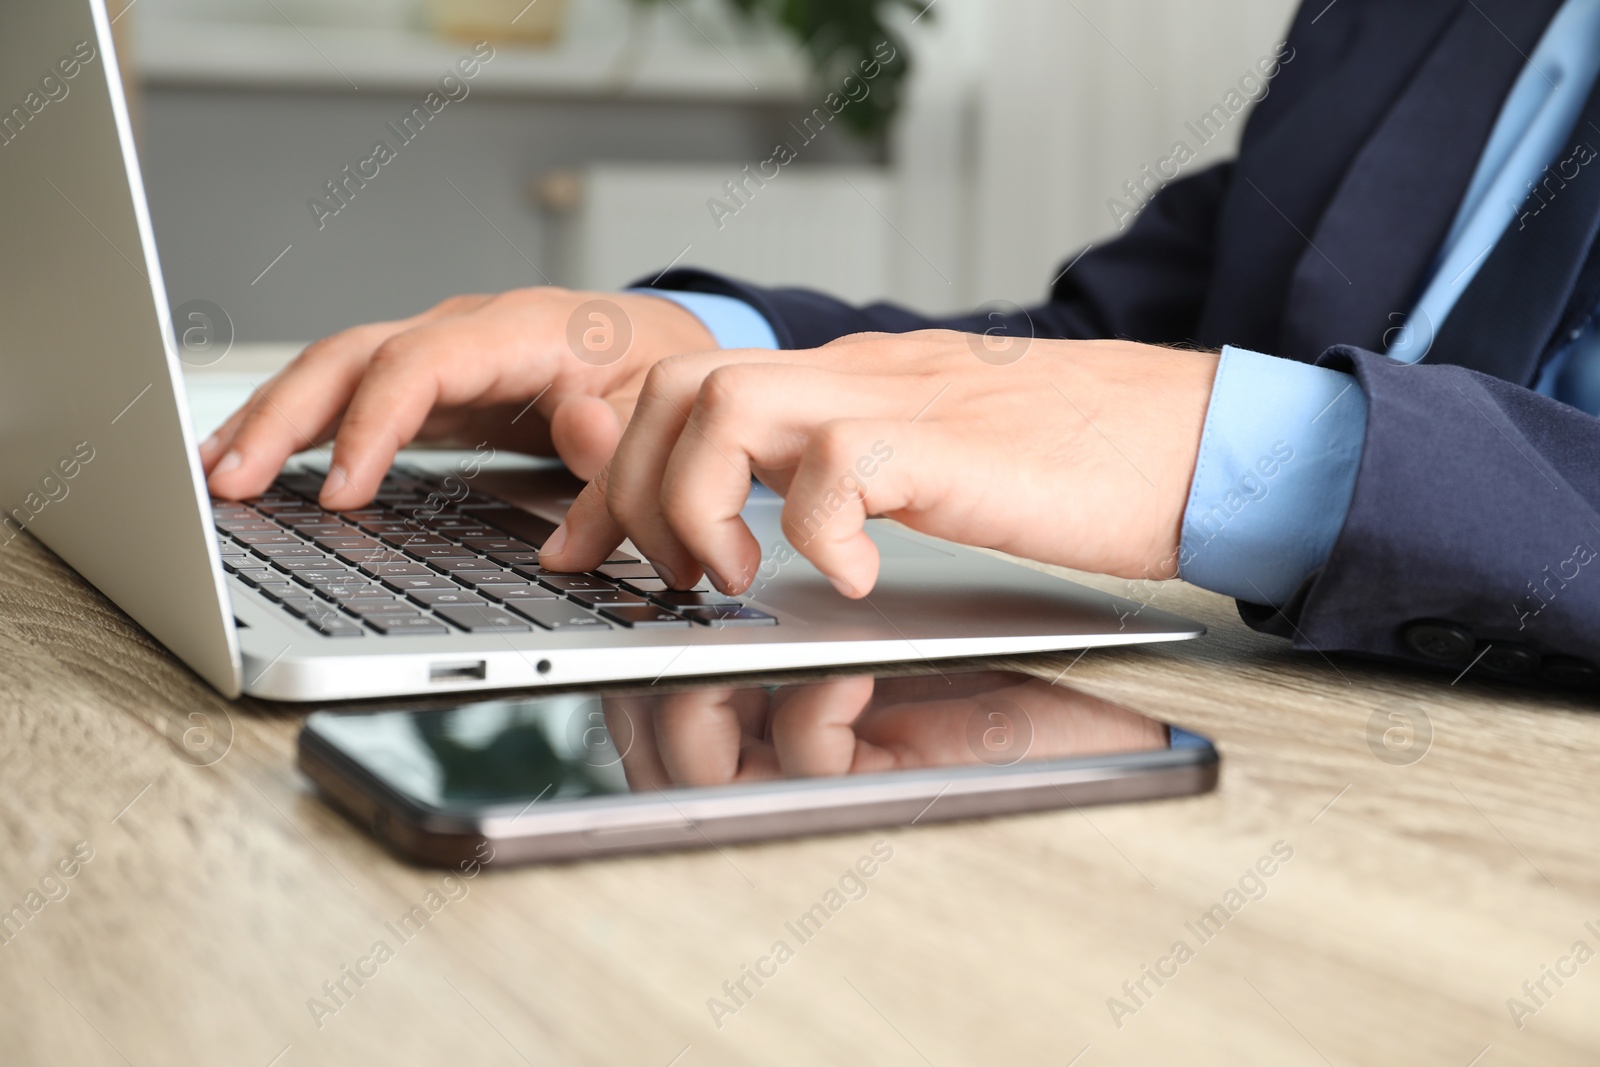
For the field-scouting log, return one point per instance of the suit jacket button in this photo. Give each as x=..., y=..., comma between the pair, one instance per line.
x=1511, y=661
x=1442, y=642
x=1569, y=671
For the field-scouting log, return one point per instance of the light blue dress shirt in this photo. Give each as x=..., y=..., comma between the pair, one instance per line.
x=1268, y=546
x=733, y=323
x=1282, y=441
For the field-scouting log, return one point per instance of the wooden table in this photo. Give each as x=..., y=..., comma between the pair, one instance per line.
x=1420, y=896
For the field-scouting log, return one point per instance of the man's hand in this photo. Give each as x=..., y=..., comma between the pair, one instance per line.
x=860, y=725
x=1080, y=453
x=533, y=370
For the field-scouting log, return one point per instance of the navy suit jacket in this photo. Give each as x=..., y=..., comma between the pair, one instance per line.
x=1476, y=515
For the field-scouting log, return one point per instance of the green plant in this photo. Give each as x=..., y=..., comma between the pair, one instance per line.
x=838, y=37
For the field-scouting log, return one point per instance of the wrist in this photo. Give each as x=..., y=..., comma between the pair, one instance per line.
x=663, y=327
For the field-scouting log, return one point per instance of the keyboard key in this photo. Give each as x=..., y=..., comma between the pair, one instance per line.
x=233, y=563
x=624, y=571
x=336, y=536
x=357, y=556
x=459, y=564
x=531, y=571
x=518, y=592
x=645, y=585
x=291, y=564
x=241, y=526
x=475, y=619
x=407, y=583
x=673, y=599
x=323, y=526
x=389, y=524
x=430, y=553
x=337, y=627
x=309, y=608
x=402, y=624
x=646, y=617
x=572, y=583
x=346, y=591
x=391, y=570
x=272, y=553
x=341, y=541
x=409, y=539
x=445, y=517
x=479, y=579
x=256, y=575
x=362, y=516
x=517, y=559
x=730, y=615
x=436, y=597
x=416, y=625
x=556, y=615
x=416, y=503
x=387, y=606
x=279, y=590
x=463, y=533
x=258, y=539
x=489, y=545
x=325, y=576
x=595, y=597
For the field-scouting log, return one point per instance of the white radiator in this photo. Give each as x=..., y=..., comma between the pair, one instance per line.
x=826, y=227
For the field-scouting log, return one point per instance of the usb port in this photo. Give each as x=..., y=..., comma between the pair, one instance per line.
x=458, y=672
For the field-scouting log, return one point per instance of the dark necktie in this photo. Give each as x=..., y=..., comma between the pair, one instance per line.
x=1371, y=250
x=1504, y=322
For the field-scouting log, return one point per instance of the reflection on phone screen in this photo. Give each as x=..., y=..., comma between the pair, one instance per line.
x=566, y=747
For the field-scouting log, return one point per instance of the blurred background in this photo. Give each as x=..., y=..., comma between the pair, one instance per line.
x=588, y=151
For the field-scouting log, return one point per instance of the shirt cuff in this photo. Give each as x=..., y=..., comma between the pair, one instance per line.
x=732, y=322
x=1276, y=472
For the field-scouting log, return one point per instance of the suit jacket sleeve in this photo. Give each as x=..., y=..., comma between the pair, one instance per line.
x=1473, y=529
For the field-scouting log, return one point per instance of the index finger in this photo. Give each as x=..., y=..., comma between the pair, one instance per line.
x=295, y=409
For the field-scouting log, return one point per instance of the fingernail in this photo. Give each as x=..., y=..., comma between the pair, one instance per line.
x=336, y=479
x=716, y=580
x=209, y=445
x=844, y=587
x=666, y=573
x=231, y=461
x=556, y=543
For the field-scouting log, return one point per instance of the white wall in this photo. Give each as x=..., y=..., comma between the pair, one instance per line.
x=1030, y=114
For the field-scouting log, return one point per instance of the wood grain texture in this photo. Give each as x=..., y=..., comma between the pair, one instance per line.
x=220, y=897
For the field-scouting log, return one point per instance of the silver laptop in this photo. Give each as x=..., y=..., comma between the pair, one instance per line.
x=436, y=585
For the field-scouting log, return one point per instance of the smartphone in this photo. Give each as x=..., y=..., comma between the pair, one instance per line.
x=529, y=779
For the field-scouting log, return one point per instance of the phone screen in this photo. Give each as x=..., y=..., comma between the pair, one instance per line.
x=560, y=748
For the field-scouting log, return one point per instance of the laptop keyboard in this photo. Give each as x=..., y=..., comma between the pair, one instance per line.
x=408, y=565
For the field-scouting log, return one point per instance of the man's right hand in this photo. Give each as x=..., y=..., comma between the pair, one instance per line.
x=539, y=371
